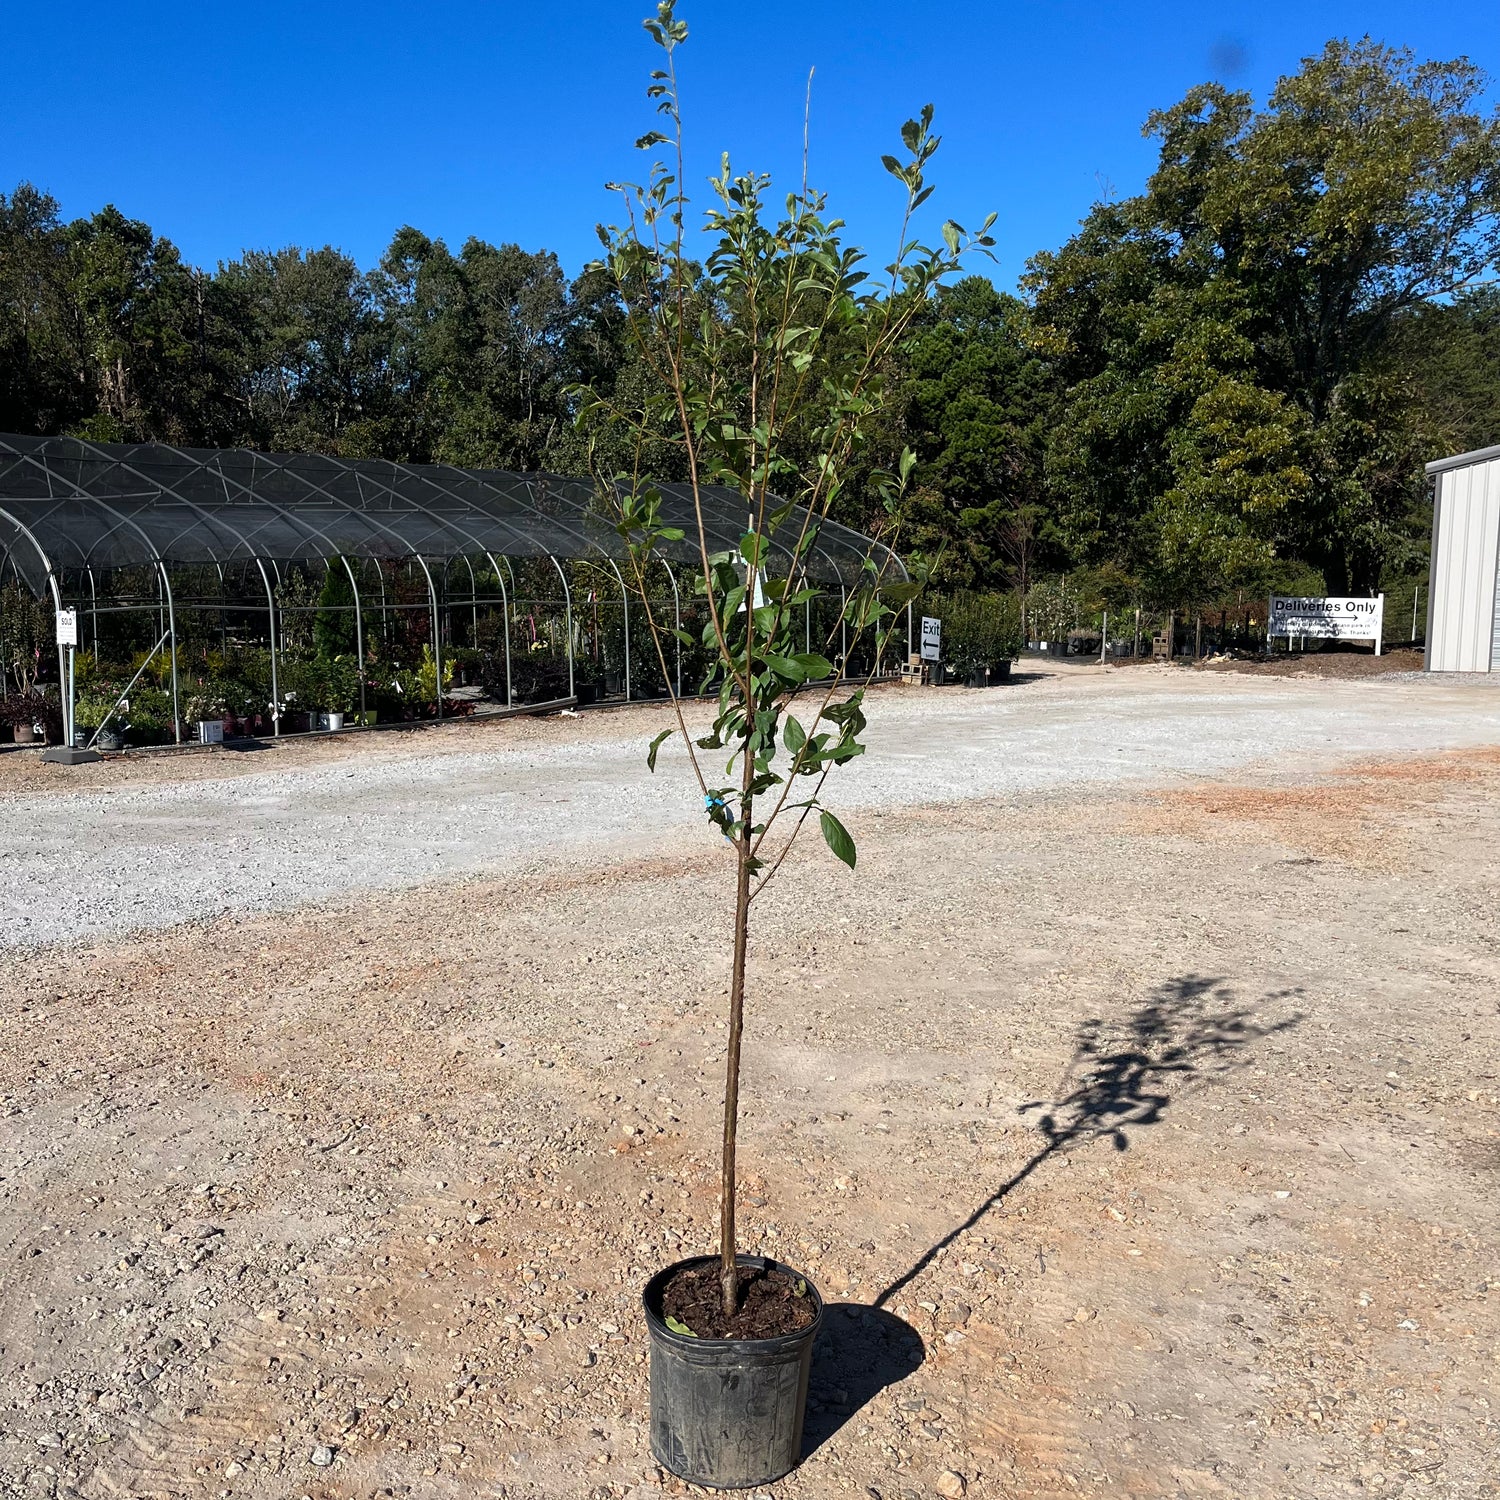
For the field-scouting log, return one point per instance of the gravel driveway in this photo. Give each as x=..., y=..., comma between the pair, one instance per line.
x=1143, y=1138
x=152, y=842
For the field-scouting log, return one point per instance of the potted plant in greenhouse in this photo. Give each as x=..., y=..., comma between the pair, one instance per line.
x=93, y=722
x=205, y=712
x=19, y=712
x=770, y=357
x=340, y=690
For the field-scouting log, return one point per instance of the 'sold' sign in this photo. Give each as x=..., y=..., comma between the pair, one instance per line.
x=1327, y=619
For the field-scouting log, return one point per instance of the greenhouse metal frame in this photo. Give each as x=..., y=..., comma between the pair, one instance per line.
x=72, y=510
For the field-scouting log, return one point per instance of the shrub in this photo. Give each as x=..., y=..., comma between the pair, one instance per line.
x=333, y=625
x=32, y=709
x=979, y=630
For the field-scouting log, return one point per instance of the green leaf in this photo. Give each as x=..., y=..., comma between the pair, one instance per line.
x=814, y=667
x=801, y=1288
x=786, y=666
x=677, y=1326
x=793, y=735
x=656, y=745
x=836, y=836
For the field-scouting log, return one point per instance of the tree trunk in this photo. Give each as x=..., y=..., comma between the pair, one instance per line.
x=729, y=1275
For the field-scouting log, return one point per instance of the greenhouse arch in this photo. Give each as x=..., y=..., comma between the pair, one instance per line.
x=188, y=544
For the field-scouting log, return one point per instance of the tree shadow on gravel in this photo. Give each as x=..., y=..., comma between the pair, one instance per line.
x=1123, y=1075
x=860, y=1351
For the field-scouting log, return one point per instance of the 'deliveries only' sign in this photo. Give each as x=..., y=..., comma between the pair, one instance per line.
x=1327, y=619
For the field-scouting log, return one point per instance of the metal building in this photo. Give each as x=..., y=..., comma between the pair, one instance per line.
x=1463, y=602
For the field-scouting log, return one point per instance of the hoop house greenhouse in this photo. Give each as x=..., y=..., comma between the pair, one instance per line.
x=279, y=593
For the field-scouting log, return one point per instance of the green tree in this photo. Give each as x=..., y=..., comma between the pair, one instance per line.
x=41, y=385
x=973, y=401
x=334, y=624
x=315, y=375
x=1284, y=250
x=771, y=361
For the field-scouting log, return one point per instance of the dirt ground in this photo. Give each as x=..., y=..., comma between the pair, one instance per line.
x=1144, y=1142
x=1352, y=663
x=1329, y=664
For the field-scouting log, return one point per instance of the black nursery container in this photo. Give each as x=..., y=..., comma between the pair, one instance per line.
x=728, y=1412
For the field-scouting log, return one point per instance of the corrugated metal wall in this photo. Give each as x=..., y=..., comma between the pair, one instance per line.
x=1495, y=634
x=1464, y=634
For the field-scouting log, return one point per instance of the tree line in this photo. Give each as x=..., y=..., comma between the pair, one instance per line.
x=1227, y=382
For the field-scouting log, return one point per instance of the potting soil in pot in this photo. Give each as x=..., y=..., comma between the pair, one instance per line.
x=770, y=1304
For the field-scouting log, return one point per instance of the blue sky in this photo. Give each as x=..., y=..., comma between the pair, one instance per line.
x=314, y=123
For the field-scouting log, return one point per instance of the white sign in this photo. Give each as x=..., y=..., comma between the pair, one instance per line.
x=1328, y=619
x=932, y=639
x=67, y=627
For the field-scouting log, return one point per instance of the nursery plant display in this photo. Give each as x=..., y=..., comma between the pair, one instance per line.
x=981, y=633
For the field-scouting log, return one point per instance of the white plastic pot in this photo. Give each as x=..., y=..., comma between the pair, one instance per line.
x=335, y=722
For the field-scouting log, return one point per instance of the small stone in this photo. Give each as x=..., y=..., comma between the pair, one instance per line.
x=950, y=1484
x=232, y=1468
x=150, y=1372
x=270, y=1315
x=322, y=1456
x=1083, y=1315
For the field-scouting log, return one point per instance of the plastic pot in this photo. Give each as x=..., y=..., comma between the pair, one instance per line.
x=728, y=1412
x=24, y=734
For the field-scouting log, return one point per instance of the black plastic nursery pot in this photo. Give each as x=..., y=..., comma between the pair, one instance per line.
x=728, y=1412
